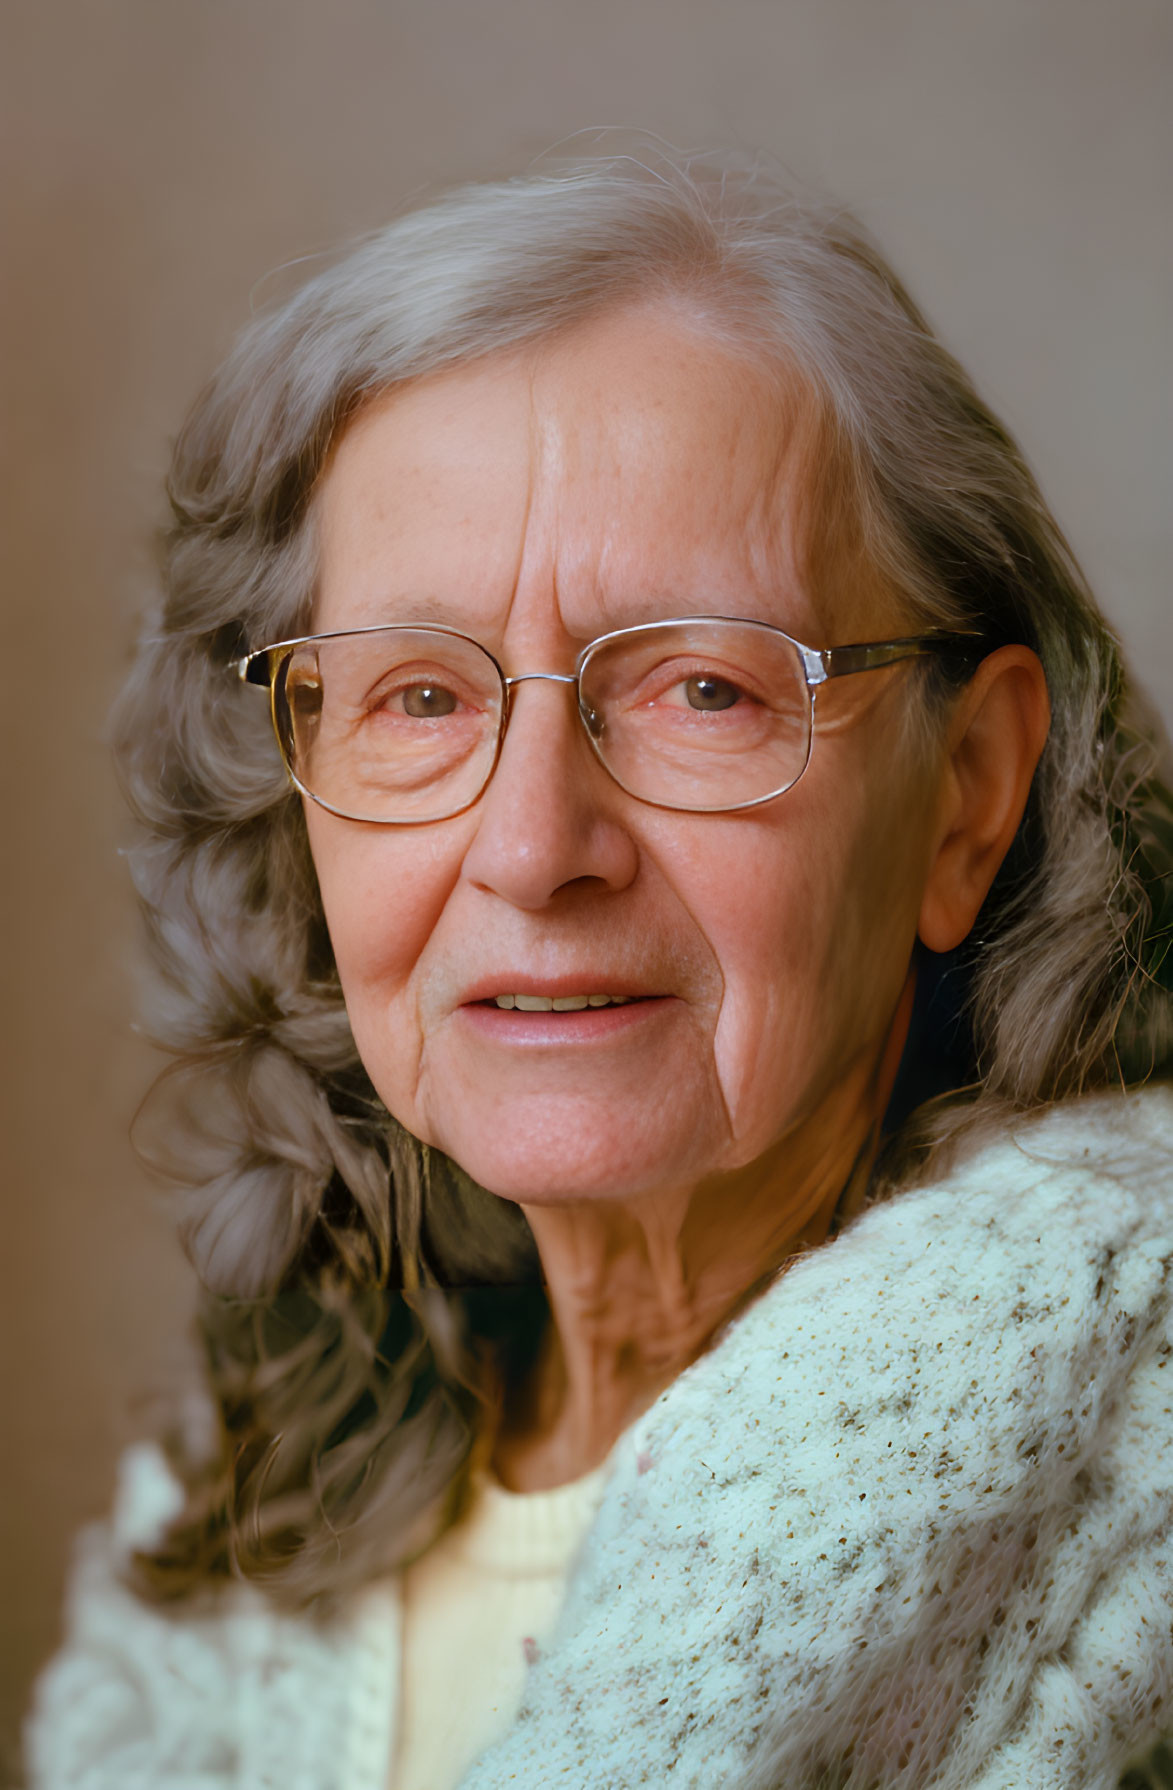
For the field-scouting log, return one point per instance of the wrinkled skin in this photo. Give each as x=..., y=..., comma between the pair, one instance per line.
x=632, y=470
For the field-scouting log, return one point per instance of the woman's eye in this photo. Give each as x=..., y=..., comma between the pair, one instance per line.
x=702, y=692
x=711, y=693
x=427, y=701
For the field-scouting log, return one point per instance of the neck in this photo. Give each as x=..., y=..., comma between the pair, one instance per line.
x=639, y=1289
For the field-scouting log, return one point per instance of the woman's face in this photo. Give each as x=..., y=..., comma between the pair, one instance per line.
x=629, y=472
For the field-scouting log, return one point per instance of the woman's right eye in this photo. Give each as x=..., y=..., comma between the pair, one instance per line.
x=425, y=702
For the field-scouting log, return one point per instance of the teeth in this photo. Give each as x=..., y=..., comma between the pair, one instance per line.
x=567, y=1003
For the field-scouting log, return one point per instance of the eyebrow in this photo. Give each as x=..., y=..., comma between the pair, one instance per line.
x=416, y=610
x=409, y=612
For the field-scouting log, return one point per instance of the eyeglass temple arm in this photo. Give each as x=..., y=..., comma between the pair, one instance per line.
x=254, y=668
x=826, y=662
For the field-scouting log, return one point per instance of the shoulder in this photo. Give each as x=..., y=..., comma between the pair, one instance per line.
x=1112, y=1140
x=963, y=1347
x=1041, y=1256
x=133, y=1681
x=944, y=1435
x=1074, y=1198
x=220, y=1687
x=1113, y=1148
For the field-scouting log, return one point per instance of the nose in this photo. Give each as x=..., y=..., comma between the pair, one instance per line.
x=551, y=818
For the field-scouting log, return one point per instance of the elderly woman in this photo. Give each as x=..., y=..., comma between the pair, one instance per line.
x=660, y=1038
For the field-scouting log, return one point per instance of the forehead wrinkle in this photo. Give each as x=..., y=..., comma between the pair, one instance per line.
x=532, y=480
x=534, y=575
x=741, y=525
x=569, y=566
x=754, y=570
x=550, y=561
x=773, y=527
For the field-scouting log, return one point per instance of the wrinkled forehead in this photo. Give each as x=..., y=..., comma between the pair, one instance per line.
x=633, y=468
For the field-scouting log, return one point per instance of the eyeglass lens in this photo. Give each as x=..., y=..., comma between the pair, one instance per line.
x=404, y=724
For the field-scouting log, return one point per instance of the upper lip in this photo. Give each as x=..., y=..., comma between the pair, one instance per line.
x=487, y=988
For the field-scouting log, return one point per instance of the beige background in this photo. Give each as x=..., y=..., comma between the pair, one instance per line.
x=158, y=159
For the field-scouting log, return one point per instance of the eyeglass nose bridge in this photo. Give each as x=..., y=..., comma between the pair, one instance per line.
x=509, y=684
x=545, y=677
x=591, y=720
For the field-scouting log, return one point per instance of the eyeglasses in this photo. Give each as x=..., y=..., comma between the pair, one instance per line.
x=401, y=725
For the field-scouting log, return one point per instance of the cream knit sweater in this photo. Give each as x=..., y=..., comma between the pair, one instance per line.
x=907, y=1526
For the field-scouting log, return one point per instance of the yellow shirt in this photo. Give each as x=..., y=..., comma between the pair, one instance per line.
x=477, y=1610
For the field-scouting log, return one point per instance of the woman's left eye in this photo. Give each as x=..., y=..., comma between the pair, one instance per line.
x=710, y=693
x=705, y=692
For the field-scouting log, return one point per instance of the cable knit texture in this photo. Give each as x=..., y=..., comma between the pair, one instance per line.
x=905, y=1527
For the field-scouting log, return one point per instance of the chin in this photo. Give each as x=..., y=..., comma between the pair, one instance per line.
x=552, y=1136
x=540, y=1161
x=534, y=1178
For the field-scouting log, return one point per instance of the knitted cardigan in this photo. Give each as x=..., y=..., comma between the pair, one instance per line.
x=906, y=1526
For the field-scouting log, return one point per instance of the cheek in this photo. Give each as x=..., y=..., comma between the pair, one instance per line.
x=772, y=927
x=383, y=892
x=813, y=930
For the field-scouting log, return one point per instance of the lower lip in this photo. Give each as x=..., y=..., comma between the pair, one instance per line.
x=582, y=1025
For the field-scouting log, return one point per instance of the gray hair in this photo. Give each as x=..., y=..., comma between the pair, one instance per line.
x=365, y=1304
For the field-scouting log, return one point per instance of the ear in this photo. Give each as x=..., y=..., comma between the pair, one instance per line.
x=993, y=742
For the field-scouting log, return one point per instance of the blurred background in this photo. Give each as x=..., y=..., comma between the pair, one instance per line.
x=159, y=159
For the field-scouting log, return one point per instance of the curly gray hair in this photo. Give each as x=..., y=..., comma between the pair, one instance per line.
x=365, y=1305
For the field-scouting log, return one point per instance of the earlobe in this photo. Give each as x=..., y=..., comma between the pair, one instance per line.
x=993, y=743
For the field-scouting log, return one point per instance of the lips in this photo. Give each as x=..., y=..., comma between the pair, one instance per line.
x=561, y=994
x=567, y=1003
x=573, y=1022
x=583, y=1006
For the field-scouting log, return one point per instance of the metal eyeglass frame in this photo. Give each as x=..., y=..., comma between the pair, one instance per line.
x=820, y=663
